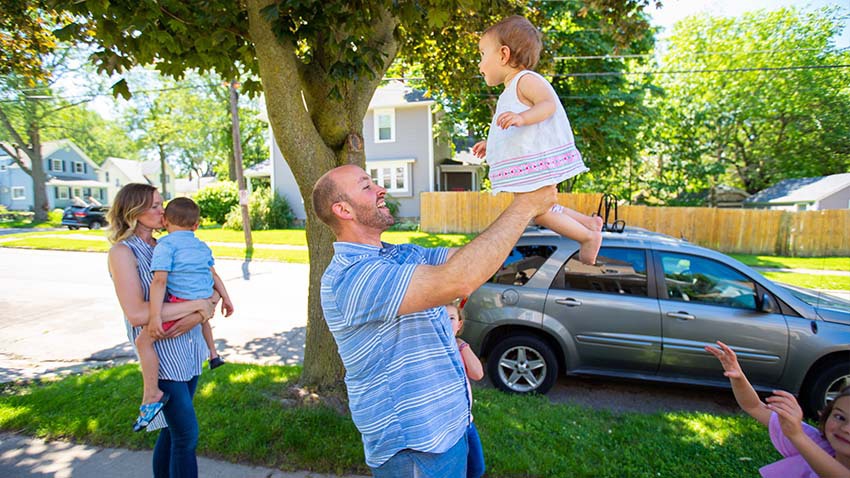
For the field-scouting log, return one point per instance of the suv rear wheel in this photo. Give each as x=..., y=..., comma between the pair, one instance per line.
x=95, y=225
x=829, y=381
x=522, y=364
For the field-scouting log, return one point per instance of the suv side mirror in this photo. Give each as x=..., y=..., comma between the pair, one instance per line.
x=768, y=305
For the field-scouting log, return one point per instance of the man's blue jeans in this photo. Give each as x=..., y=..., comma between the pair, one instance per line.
x=416, y=464
x=174, y=453
x=475, y=460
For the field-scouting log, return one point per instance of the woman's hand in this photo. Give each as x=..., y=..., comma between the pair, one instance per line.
x=181, y=326
x=480, y=149
x=789, y=412
x=727, y=358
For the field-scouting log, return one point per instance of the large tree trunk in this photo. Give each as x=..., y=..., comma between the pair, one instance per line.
x=163, y=178
x=39, y=177
x=315, y=133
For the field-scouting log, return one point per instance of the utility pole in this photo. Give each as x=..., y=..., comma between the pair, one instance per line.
x=237, y=160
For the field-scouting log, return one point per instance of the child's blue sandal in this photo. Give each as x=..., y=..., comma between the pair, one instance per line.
x=149, y=411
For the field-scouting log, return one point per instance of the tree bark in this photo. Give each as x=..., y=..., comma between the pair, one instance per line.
x=162, y=166
x=39, y=176
x=315, y=133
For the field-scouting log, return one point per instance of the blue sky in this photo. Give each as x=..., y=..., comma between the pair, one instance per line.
x=674, y=10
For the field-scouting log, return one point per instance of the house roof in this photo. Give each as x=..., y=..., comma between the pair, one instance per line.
x=801, y=190
x=136, y=171
x=187, y=186
x=47, y=149
x=396, y=94
x=262, y=169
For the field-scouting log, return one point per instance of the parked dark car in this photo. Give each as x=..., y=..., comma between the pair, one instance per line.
x=645, y=311
x=92, y=217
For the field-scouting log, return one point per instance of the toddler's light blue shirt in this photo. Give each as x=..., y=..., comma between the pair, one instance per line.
x=187, y=260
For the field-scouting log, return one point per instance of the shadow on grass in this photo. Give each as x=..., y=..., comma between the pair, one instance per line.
x=239, y=408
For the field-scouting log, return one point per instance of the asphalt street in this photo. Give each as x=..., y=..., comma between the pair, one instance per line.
x=60, y=313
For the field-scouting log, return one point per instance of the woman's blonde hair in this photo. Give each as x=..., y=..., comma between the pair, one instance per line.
x=130, y=203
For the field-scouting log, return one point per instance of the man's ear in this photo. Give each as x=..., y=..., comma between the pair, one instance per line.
x=342, y=210
x=505, y=54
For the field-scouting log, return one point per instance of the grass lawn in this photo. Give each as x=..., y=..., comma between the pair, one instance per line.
x=819, y=263
x=243, y=420
x=811, y=281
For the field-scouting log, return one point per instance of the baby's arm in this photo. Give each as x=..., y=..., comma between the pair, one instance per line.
x=156, y=299
x=534, y=92
x=791, y=418
x=471, y=363
x=745, y=395
x=218, y=285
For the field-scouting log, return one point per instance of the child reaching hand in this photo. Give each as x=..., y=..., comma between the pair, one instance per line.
x=531, y=144
x=182, y=266
x=808, y=452
x=475, y=458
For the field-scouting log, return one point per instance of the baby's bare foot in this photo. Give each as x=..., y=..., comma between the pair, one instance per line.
x=590, y=248
x=596, y=223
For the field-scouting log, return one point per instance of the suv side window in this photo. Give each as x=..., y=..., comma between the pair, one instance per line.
x=521, y=264
x=617, y=271
x=697, y=279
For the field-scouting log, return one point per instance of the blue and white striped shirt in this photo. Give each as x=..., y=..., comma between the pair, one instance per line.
x=180, y=358
x=406, y=382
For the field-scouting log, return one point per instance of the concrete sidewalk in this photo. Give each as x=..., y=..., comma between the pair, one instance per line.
x=22, y=456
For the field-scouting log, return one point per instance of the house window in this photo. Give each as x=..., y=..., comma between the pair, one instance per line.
x=394, y=176
x=18, y=192
x=62, y=192
x=384, y=126
x=107, y=176
x=77, y=192
x=117, y=183
x=78, y=167
x=802, y=207
x=56, y=165
x=2, y=168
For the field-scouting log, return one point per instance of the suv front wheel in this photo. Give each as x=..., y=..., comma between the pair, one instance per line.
x=830, y=380
x=522, y=364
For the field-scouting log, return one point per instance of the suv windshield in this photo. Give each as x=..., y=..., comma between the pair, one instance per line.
x=819, y=301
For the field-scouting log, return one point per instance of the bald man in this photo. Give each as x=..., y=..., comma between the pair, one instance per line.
x=384, y=306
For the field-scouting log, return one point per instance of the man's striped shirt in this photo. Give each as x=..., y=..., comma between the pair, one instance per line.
x=406, y=383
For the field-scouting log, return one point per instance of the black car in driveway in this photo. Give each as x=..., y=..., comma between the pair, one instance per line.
x=92, y=217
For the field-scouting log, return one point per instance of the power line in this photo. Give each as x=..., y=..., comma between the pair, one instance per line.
x=687, y=72
x=698, y=53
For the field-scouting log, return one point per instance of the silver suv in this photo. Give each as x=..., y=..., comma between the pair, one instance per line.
x=645, y=311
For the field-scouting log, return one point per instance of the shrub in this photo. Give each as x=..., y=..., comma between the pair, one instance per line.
x=393, y=205
x=216, y=200
x=266, y=210
x=54, y=217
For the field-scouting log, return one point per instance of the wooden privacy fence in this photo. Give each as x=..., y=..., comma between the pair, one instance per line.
x=745, y=231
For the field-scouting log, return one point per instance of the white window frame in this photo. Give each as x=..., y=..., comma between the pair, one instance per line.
x=53, y=163
x=380, y=167
x=376, y=119
x=64, y=192
x=18, y=193
x=80, y=169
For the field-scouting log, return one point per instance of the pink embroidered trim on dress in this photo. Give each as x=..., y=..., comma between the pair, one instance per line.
x=538, y=166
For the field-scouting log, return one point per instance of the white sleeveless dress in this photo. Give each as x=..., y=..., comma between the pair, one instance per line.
x=526, y=158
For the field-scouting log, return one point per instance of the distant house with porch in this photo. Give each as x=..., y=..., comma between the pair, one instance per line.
x=402, y=154
x=119, y=171
x=805, y=194
x=70, y=173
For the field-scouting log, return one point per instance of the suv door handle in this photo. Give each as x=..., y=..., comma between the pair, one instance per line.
x=568, y=302
x=681, y=315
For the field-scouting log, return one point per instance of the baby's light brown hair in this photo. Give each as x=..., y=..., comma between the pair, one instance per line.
x=521, y=37
x=182, y=212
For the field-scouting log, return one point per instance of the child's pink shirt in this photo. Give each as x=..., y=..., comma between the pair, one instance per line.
x=793, y=465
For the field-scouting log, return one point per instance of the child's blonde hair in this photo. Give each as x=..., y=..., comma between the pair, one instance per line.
x=522, y=38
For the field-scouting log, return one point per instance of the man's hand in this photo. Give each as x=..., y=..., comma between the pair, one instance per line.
x=727, y=358
x=480, y=149
x=181, y=326
x=508, y=119
x=539, y=201
x=227, y=307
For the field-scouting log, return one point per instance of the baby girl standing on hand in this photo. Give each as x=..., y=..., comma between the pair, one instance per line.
x=531, y=144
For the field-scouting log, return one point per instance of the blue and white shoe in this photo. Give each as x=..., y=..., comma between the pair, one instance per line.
x=149, y=411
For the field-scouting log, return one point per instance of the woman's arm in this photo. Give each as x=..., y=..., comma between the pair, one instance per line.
x=128, y=288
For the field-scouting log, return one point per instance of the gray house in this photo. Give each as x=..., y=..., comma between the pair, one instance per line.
x=70, y=173
x=402, y=154
x=805, y=194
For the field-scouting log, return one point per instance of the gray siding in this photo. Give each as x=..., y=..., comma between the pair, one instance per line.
x=284, y=182
x=14, y=176
x=838, y=200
